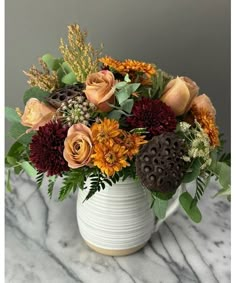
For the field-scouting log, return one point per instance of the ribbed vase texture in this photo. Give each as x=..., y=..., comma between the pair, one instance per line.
x=116, y=218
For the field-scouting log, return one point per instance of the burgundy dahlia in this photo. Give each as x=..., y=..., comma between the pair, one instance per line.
x=154, y=115
x=46, y=149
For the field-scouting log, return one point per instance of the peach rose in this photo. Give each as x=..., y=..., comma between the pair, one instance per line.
x=36, y=114
x=179, y=94
x=78, y=146
x=203, y=102
x=100, y=88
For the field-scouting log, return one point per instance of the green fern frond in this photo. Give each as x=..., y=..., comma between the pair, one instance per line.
x=39, y=179
x=201, y=184
x=51, y=183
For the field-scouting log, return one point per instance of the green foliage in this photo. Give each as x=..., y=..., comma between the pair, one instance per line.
x=11, y=115
x=35, y=92
x=190, y=207
x=127, y=105
x=28, y=168
x=51, y=183
x=222, y=172
x=159, y=81
x=72, y=180
x=14, y=154
x=159, y=206
x=8, y=183
x=201, y=184
x=124, y=99
x=193, y=171
x=18, y=132
x=97, y=183
x=225, y=158
x=69, y=79
x=52, y=63
x=39, y=179
x=124, y=173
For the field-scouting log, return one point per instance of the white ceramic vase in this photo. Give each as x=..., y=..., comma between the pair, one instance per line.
x=117, y=220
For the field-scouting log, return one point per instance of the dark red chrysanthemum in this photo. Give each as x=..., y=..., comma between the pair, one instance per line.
x=154, y=115
x=46, y=149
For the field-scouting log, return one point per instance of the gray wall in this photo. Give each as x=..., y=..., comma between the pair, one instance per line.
x=184, y=37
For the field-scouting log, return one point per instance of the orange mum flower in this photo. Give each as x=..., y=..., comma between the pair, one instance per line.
x=104, y=131
x=129, y=66
x=110, y=62
x=131, y=142
x=109, y=157
x=207, y=121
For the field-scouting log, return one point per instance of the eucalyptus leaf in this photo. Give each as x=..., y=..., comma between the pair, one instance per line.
x=132, y=87
x=190, y=207
x=69, y=79
x=120, y=85
x=18, y=132
x=35, y=92
x=160, y=207
x=164, y=196
x=223, y=192
x=11, y=160
x=122, y=95
x=114, y=114
x=194, y=171
x=223, y=172
x=15, y=150
x=11, y=115
x=127, y=79
x=66, y=67
x=51, y=62
x=127, y=105
x=28, y=168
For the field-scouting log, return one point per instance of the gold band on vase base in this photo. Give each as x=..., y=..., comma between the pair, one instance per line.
x=115, y=252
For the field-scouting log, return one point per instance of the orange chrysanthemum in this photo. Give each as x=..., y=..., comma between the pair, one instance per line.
x=208, y=123
x=109, y=157
x=129, y=66
x=131, y=142
x=104, y=131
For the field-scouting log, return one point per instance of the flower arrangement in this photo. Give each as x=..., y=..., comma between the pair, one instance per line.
x=88, y=116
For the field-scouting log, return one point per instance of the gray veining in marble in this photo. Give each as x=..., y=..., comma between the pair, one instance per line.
x=43, y=244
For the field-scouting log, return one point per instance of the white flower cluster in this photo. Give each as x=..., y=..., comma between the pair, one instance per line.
x=199, y=144
x=184, y=126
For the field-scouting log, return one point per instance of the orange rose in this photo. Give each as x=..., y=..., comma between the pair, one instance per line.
x=100, y=88
x=179, y=94
x=78, y=146
x=203, y=102
x=36, y=114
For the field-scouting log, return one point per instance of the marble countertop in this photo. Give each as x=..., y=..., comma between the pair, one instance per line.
x=43, y=244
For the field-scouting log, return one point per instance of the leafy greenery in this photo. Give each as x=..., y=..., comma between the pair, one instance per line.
x=159, y=207
x=28, y=168
x=124, y=173
x=193, y=171
x=8, y=183
x=52, y=63
x=201, y=184
x=72, y=180
x=124, y=98
x=190, y=207
x=39, y=179
x=11, y=115
x=35, y=92
x=222, y=173
x=51, y=183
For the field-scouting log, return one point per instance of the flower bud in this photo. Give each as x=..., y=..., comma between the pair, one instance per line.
x=179, y=94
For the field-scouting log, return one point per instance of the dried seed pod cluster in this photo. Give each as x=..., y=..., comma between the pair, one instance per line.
x=160, y=165
x=56, y=98
x=76, y=110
